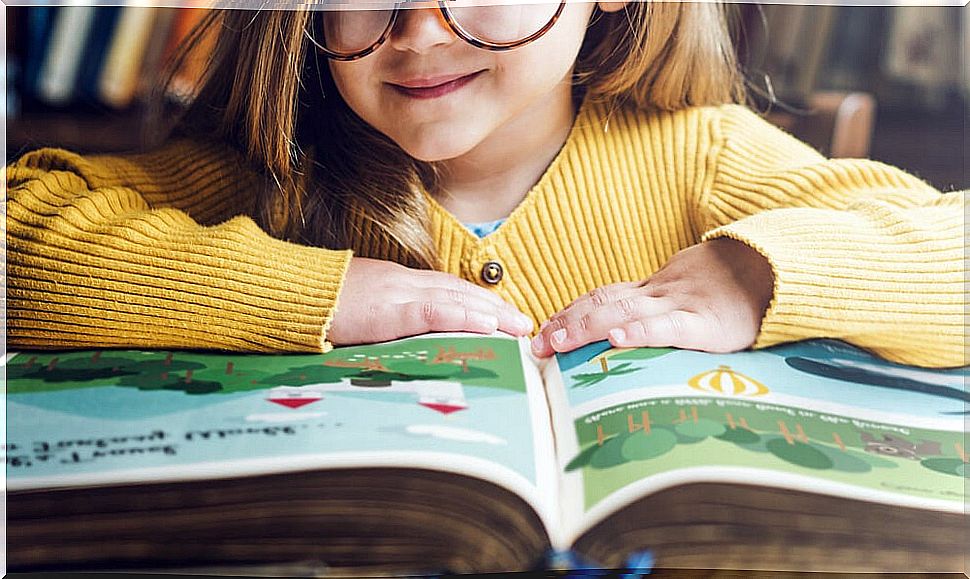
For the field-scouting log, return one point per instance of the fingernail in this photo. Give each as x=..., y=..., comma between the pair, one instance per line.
x=559, y=336
x=618, y=334
x=537, y=343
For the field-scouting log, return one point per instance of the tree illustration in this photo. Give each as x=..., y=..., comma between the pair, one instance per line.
x=399, y=371
x=610, y=454
x=642, y=353
x=187, y=372
x=176, y=376
x=640, y=446
x=808, y=454
x=150, y=374
x=583, y=458
x=740, y=436
x=697, y=430
x=799, y=453
x=951, y=466
x=589, y=379
x=624, y=448
x=76, y=369
x=313, y=374
x=845, y=460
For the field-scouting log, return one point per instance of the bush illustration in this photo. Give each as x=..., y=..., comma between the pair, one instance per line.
x=699, y=430
x=643, y=439
x=799, y=453
x=639, y=446
x=740, y=436
x=625, y=447
x=953, y=466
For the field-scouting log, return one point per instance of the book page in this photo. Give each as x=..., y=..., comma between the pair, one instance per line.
x=463, y=403
x=820, y=415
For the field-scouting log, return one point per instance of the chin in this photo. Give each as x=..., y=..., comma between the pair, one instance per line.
x=435, y=149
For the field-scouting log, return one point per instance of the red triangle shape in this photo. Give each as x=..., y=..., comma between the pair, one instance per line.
x=293, y=402
x=442, y=408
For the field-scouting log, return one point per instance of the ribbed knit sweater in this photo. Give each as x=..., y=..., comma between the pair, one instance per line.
x=156, y=250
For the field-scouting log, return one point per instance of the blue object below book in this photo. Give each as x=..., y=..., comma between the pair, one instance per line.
x=637, y=564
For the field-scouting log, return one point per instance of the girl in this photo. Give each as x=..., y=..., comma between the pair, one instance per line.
x=324, y=187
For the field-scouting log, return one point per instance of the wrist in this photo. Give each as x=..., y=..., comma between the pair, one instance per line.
x=750, y=268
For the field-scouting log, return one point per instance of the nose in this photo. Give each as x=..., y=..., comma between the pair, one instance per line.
x=420, y=29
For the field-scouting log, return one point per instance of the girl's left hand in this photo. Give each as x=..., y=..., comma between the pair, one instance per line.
x=710, y=296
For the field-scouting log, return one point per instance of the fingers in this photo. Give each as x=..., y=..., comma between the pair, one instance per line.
x=451, y=304
x=677, y=328
x=603, y=295
x=384, y=301
x=586, y=322
x=509, y=319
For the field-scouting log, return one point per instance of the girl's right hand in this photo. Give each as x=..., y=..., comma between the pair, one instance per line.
x=382, y=300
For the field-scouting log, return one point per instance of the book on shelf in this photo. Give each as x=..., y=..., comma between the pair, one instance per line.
x=119, y=78
x=39, y=25
x=463, y=452
x=95, y=52
x=104, y=55
x=62, y=61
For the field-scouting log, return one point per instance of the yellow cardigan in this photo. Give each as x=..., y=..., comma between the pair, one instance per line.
x=155, y=250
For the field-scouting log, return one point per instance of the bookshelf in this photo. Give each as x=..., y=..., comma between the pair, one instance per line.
x=80, y=77
x=85, y=131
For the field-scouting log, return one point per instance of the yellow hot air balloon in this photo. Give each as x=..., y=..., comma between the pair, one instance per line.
x=724, y=380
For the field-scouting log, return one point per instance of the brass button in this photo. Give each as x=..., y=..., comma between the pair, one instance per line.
x=492, y=272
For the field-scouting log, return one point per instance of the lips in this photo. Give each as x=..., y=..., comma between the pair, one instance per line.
x=433, y=86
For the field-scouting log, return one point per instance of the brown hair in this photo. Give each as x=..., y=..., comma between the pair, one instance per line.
x=331, y=177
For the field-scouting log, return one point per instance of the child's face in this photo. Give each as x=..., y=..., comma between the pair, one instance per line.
x=403, y=88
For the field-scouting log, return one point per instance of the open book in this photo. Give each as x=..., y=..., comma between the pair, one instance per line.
x=463, y=452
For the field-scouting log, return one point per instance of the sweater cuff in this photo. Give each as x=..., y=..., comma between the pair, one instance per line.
x=309, y=289
x=831, y=282
x=293, y=311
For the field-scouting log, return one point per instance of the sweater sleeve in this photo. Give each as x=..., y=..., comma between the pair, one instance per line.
x=860, y=251
x=155, y=250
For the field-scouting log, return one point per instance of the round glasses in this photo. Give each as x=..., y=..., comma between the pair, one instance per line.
x=356, y=28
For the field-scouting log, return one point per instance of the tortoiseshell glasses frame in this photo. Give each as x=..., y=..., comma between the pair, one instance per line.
x=456, y=27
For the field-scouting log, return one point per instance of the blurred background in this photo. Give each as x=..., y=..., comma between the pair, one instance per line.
x=890, y=83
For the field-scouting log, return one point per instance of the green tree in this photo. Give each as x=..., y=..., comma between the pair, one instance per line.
x=799, y=453
x=589, y=379
x=400, y=371
x=951, y=466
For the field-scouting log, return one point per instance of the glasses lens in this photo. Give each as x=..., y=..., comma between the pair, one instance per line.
x=355, y=25
x=501, y=21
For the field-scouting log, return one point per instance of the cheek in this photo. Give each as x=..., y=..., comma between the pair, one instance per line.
x=351, y=80
x=551, y=57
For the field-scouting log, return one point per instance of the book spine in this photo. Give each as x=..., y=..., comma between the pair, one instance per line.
x=102, y=31
x=40, y=23
x=58, y=73
x=119, y=79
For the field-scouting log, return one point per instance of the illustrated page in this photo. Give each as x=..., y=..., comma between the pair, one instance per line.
x=820, y=415
x=443, y=401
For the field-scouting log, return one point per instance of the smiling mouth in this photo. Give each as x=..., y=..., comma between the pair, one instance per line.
x=424, y=90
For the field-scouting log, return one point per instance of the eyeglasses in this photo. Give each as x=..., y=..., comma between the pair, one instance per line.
x=356, y=28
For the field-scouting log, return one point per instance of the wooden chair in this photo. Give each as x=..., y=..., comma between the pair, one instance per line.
x=838, y=124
